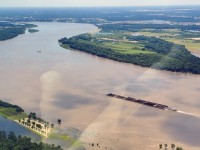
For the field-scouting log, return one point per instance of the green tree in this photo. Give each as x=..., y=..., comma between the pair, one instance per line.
x=12, y=136
x=166, y=146
x=173, y=146
x=59, y=121
x=39, y=126
x=11, y=142
x=179, y=148
x=160, y=146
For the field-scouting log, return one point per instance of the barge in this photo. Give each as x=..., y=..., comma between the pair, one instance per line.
x=143, y=102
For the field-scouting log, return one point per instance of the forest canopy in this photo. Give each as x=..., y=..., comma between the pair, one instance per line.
x=12, y=142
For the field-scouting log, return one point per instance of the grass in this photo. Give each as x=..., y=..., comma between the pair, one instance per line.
x=191, y=45
x=64, y=137
x=160, y=34
x=10, y=113
x=176, y=37
x=114, y=35
x=64, y=46
x=123, y=45
x=126, y=47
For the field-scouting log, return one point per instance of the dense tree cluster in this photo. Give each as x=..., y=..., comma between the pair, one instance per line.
x=13, y=142
x=135, y=27
x=7, y=105
x=176, y=57
x=11, y=33
x=32, y=30
x=168, y=56
x=159, y=45
x=10, y=30
x=34, y=116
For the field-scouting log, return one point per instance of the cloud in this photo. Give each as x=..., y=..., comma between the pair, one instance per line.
x=50, y=82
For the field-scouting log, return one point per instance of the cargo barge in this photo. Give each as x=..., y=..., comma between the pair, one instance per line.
x=143, y=102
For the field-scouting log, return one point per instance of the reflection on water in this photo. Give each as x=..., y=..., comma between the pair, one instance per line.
x=71, y=85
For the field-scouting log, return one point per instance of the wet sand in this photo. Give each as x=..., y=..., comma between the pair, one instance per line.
x=72, y=85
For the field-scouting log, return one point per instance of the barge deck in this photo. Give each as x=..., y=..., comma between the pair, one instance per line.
x=143, y=102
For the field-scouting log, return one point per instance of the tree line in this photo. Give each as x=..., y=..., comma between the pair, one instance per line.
x=12, y=142
x=7, y=105
x=136, y=27
x=105, y=13
x=10, y=30
x=175, y=57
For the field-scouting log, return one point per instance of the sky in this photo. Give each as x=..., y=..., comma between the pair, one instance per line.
x=79, y=3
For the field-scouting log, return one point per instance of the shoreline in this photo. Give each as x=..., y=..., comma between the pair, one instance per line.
x=36, y=130
x=164, y=71
x=96, y=30
x=181, y=73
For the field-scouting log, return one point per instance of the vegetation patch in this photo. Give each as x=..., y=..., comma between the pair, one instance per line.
x=72, y=142
x=187, y=38
x=33, y=30
x=9, y=30
x=139, y=50
x=10, y=111
x=13, y=142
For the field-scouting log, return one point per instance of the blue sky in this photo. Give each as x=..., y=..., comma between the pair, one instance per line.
x=78, y=3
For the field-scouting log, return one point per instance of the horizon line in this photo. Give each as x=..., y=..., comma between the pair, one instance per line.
x=170, y=5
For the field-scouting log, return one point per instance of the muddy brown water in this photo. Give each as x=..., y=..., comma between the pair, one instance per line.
x=72, y=85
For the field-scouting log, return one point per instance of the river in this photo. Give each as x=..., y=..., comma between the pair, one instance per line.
x=72, y=85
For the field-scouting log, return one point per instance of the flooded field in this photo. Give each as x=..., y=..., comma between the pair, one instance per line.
x=72, y=85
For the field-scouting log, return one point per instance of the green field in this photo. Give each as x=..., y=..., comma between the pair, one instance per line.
x=191, y=45
x=171, y=35
x=126, y=47
x=74, y=143
x=117, y=41
x=10, y=113
x=178, y=37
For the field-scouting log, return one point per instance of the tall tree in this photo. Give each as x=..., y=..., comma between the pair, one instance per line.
x=59, y=121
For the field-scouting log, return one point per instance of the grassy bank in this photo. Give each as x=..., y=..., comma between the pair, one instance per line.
x=10, y=113
x=71, y=142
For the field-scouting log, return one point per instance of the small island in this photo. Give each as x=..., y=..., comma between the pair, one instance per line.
x=33, y=30
x=9, y=30
x=145, y=51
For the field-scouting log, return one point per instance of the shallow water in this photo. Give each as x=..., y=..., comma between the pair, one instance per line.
x=71, y=85
x=11, y=126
